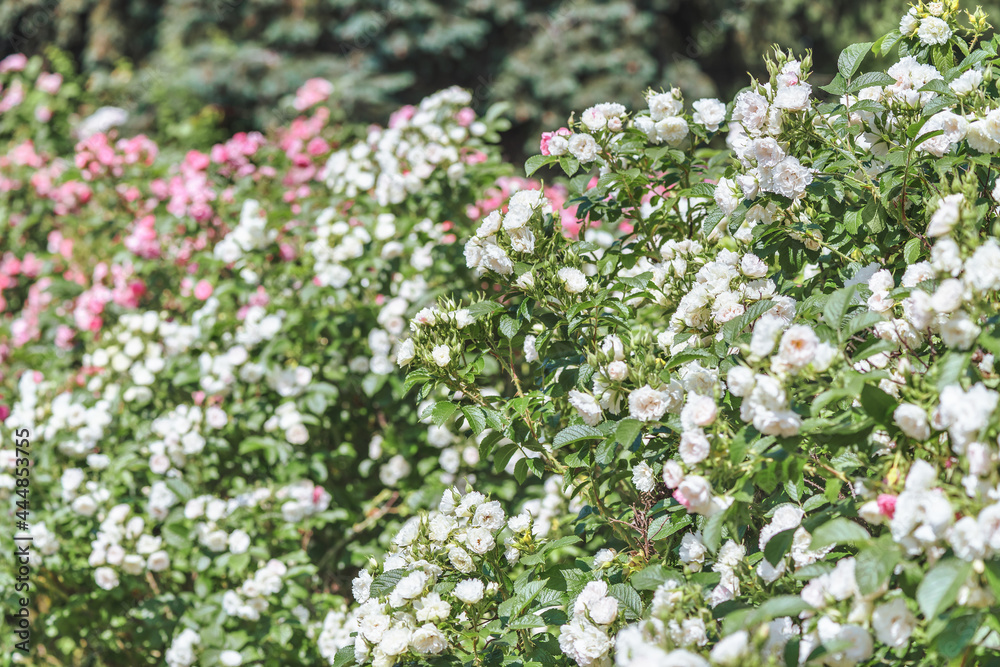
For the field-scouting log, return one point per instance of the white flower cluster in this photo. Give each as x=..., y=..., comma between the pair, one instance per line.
x=435, y=558
x=338, y=626
x=419, y=143
x=258, y=326
x=251, y=233
x=302, y=499
x=485, y=252
x=788, y=517
x=250, y=599
x=134, y=352
x=337, y=243
x=289, y=420
x=182, y=649
x=79, y=428
x=124, y=543
x=180, y=435
x=952, y=310
x=585, y=637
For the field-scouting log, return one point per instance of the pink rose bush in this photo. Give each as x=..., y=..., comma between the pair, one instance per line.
x=202, y=345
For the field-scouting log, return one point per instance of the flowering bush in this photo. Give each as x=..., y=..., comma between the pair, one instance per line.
x=202, y=349
x=727, y=397
x=773, y=386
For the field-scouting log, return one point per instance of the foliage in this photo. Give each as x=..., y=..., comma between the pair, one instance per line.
x=726, y=398
x=548, y=58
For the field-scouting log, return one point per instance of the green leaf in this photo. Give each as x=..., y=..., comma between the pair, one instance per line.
x=878, y=404
x=630, y=601
x=536, y=162
x=509, y=326
x=575, y=433
x=539, y=556
x=837, y=305
x=650, y=578
x=569, y=164
x=734, y=327
x=952, y=368
x=605, y=452
x=835, y=87
x=627, y=431
x=476, y=418
x=386, y=582
x=838, y=531
x=514, y=605
x=863, y=320
x=783, y=605
x=441, y=412
x=940, y=586
x=481, y=308
x=344, y=656
x=712, y=534
x=888, y=41
x=875, y=564
x=779, y=545
x=521, y=470
x=711, y=221
x=851, y=57
x=943, y=57
x=664, y=526
x=957, y=634
x=502, y=456
x=869, y=79
x=912, y=251
x=852, y=221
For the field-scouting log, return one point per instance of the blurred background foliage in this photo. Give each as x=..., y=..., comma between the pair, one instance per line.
x=198, y=70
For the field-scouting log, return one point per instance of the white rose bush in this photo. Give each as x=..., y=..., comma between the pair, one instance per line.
x=721, y=393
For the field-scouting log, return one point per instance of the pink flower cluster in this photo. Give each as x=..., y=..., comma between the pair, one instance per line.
x=96, y=156
x=312, y=93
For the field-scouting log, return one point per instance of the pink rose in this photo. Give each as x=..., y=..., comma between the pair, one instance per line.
x=887, y=505
x=203, y=290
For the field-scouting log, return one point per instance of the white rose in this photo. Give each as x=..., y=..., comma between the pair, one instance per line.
x=297, y=434
x=441, y=355
x=673, y=474
x=230, y=658
x=106, y=578
x=480, y=540
x=731, y=650
x=695, y=494
x=428, y=640
x=933, y=30
x=405, y=352
x=133, y=564
x=583, y=147
x=643, y=478
x=158, y=561
x=912, y=420
x=412, y=585
x=461, y=560
x=647, y=404
x=694, y=446
x=573, y=280
x=469, y=591
x=239, y=542
x=395, y=640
